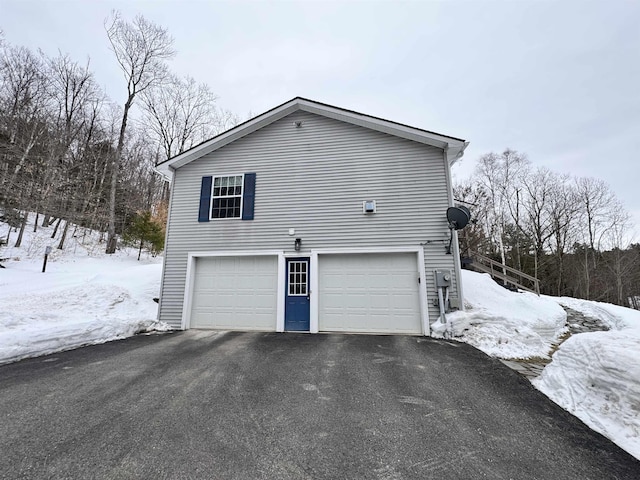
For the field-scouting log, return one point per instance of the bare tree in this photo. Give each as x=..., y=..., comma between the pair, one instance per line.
x=498, y=175
x=24, y=94
x=562, y=209
x=75, y=105
x=180, y=113
x=599, y=213
x=141, y=49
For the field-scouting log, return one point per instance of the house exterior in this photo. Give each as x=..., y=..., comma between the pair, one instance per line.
x=311, y=218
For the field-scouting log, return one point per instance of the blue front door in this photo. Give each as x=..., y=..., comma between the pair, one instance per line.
x=296, y=307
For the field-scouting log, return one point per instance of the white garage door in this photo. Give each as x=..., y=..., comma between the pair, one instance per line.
x=235, y=293
x=369, y=293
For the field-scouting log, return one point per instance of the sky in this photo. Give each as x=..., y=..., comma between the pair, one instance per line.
x=557, y=80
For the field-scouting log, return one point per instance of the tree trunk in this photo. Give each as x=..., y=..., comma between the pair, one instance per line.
x=587, y=285
x=35, y=224
x=45, y=220
x=166, y=192
x=55, y=229
x=115, y=165
x=140, y=249
x=64, y=235
x=22, y=227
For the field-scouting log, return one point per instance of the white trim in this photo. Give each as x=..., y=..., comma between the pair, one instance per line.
x=422, y=286
x=313, y=292
x=282, y=269
x=454, y=146
x=313, y=279
x=234, y=253
x=422, y=290
x=211, y=197
x=190, y=279
x=380, y=125
x=406, y=249
x=188, y=292
x=228, y=137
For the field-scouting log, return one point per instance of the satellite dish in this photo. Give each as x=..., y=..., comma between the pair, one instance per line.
x=458, y=217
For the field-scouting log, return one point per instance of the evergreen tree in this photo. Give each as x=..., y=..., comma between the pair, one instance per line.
x=144, y=228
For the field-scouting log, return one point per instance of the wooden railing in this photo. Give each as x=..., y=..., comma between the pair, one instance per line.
x=505, y=273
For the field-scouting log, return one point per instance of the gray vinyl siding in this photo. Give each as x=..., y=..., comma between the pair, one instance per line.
x=314, y=179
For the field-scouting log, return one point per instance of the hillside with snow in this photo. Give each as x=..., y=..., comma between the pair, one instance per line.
x=87, y=297
x=84, y=297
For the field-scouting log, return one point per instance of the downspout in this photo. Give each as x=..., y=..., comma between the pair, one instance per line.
x=443, y=317
x=456, y=247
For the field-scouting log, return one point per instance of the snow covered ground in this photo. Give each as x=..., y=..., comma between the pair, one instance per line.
x=595, y=376
x=87, y=297
x=84, y=297
x=505, y=324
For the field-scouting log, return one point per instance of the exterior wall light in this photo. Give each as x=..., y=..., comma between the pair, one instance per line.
x=296, y=245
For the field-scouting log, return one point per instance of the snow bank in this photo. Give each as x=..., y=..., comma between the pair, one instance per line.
x=502, y=323
x=596, y=376
x=85, y=297
x=79, y=303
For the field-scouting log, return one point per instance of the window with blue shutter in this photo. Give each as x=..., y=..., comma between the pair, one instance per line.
x=205, y=199
x=248, y=196
x=231, y=196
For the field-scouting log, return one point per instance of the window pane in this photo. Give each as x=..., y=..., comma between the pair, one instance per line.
x=227, y=197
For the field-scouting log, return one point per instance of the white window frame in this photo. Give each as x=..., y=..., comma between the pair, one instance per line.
x=213, y=182
x=306, y=276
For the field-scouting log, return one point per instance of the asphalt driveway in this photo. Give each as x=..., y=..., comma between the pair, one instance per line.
x=253, y=405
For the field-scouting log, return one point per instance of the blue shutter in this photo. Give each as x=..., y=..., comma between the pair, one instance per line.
x=205, y=200
x=248, y=196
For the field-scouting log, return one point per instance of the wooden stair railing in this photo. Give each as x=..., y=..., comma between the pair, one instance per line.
x=505, y=273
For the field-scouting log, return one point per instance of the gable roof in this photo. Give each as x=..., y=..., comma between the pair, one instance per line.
x=454, y=147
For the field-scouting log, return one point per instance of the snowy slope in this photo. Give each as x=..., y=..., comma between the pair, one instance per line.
x=84, y=297
x=505, y=324
x=596, y=376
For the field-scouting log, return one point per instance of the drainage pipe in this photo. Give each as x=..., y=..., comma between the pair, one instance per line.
x=443, y=317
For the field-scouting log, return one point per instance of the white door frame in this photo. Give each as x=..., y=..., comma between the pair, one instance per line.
x=422, y=286
x=191, y=272
x=313, y=279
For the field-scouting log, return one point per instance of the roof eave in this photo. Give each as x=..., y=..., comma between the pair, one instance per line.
x=454, y=145
x=455, y=152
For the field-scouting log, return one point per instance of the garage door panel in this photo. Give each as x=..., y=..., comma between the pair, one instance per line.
x=369, y=293
x=236, y=293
